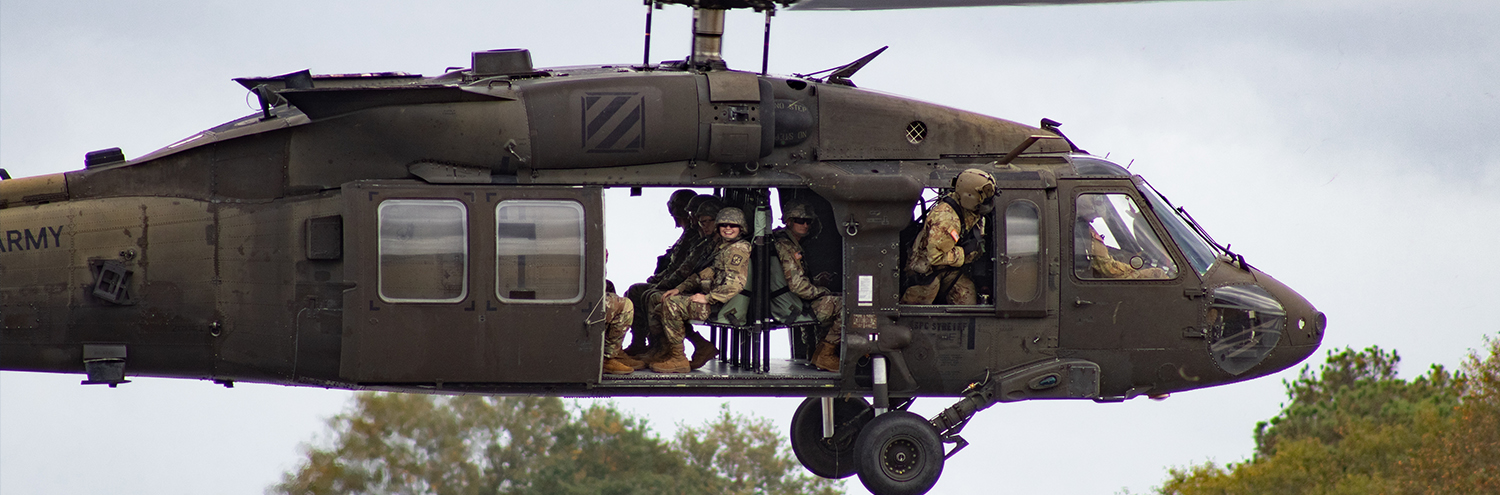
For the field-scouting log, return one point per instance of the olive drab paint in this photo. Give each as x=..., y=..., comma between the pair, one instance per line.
x=445, y=234
x=28, y=239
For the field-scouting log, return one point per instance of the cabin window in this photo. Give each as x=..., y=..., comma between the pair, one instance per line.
x=1022, y=251
x=539, y=251
x=1113, y=240
x=424, y=250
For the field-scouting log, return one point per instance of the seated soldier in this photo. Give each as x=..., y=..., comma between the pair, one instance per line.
x=952, y=237
x=618, y=312
x=678, y=207
x=826, y=307
x=696, y=297
x=687, y=261
x=1106, y=266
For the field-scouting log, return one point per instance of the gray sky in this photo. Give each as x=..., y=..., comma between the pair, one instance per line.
x=1347, y=147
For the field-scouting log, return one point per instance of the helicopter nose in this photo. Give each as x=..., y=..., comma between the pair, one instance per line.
x=1263, y=326
x=1266, y=326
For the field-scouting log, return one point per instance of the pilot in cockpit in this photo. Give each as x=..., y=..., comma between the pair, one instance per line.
x=1092, y=210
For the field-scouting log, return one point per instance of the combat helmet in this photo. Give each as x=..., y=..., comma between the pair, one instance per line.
x=677, y=205
x=705, y=206
x=973, y=188
x=733, y=216
x=795, y=210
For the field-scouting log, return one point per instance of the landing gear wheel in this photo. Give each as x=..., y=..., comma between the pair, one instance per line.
x=828, y=457
x=899, y=453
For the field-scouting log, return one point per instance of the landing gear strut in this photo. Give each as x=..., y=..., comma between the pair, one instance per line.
x=900, y=453
x=830, y=456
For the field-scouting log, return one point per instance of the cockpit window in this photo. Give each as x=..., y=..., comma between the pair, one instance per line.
x=1199, y=252
x=1113, y=240
x=1093, y=166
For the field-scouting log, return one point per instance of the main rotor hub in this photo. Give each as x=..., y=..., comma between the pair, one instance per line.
x=708, y=36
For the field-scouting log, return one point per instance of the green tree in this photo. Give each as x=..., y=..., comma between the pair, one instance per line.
x=1463, y=457
x=746, y=456
x=425, y=444
x=1356, y=428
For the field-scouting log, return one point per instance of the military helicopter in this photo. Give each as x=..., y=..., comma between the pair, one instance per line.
x=258, y=250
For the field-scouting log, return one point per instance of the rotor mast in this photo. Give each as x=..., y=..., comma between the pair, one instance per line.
x=708, y=37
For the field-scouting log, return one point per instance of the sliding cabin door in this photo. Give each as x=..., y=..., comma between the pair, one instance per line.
x=473, y=284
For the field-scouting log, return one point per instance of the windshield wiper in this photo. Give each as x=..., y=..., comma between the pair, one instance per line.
x=1182, y=213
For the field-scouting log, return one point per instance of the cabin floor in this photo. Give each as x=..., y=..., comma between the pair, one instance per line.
x=792, y=375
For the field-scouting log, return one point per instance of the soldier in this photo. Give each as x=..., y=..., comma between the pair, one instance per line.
x=618, y=312
x=952, y=237
x=695, y=297
x=826, y=307
x=686, y=261
x=678, y=207
x=1101, y=263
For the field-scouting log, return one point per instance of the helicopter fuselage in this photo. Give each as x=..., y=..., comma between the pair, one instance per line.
x=445, y=234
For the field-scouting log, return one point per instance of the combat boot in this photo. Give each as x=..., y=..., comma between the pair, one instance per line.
x=675, y=361
x=654, y=353
x=633, y=363
x=703, y=350
x=826, y=357
x=615, y=367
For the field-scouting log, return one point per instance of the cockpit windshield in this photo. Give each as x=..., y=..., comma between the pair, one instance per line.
x=1200, y=252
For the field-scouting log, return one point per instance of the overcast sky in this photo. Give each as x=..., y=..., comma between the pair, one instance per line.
x=1347, y=147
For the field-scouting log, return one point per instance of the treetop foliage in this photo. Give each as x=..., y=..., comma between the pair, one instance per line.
x=1355, y=427
x=390, y=443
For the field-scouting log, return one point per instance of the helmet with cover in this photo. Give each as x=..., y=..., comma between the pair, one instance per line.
x=973, y=188
x=796, y=210
x=705, y=206
x=732, y=216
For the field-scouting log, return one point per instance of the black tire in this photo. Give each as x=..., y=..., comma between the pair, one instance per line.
x=829, y=457
x=898, y=453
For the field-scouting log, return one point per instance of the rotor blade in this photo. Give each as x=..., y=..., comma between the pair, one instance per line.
x=933, y=4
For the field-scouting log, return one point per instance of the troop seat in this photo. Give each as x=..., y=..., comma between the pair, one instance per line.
x=744, y=341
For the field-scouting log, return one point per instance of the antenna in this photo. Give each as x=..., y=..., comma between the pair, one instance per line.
x=646, y=59
x=765, y=51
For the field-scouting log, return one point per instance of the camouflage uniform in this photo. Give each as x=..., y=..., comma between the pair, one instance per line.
x=686, y=251
x=618, y=313
x=937, y=250
x=1105, y=266
x=682, y=259
x=720, y=282
x=826, y=308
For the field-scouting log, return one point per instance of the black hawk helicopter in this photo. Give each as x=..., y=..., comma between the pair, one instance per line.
x=444, y=234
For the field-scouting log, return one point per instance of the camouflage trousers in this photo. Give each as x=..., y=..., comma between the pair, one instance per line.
x=829, y=310
x=647, y=322
x=618, y=313
x=963, y=291
x=676, y=311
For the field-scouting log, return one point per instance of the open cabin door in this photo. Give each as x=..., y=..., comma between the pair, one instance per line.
x=473, y=284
